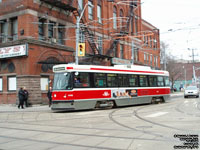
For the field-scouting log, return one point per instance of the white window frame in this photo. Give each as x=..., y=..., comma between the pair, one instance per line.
x=121, y=51
x=114, y=19
x=100, y=44
x=99, y=13
x=12, y=83
x=90, y=10
x=14, y=28
x=44, y=83
x=151, y=60
x=145, y=58
x=80, y=4
x=1, y=84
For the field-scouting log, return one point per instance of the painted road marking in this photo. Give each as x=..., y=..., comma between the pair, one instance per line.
x=157, y=114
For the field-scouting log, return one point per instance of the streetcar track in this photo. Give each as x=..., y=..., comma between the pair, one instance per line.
x=137, y=130
x=178, y=108
x=79, y=134
x=155, y=123
x=60, y=143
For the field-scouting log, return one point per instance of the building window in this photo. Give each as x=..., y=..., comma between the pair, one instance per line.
x=121, y=19
x=100, y=45
x=136, y=25
x=115, y=48
x=44, y=83
x=115, y=18
x=12, y=83
x=136, y=53
x=155, y=44
x=132, y=26
x=150, y=41
x=80, y=4
x=90, y=10
x=151, y=60
x=1, y=84
x=121, y=51
x=99, y=13
x=4, y=31
x=61, y=33
x=81, y=37
x=156, y=61
x=14, y=28
x=51, y=29
x=41, y=28
x=145, y=58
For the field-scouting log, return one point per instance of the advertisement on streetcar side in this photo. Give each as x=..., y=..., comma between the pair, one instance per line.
x=124, y=93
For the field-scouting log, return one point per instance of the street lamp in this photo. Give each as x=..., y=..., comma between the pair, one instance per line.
x=78, y=19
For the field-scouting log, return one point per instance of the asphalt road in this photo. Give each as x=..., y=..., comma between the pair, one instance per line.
x=171, y=125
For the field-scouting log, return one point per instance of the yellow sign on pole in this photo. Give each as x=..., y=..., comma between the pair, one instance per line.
x=81, y=49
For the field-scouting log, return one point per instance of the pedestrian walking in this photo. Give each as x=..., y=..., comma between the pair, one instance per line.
x=21, y=96
x=49, y=94
x=25, y=97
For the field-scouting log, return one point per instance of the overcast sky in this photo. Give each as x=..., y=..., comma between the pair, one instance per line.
x=179, y=24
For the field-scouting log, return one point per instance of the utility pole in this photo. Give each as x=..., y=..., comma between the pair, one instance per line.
x=164, y=59
x=194, y=76
x=78, y=19
x=132, y=49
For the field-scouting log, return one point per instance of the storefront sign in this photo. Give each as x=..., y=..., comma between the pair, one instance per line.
x=119, y=61
x=13, y=51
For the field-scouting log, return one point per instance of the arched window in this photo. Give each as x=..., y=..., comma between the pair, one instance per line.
x=99, y=11
x=121, y=18
x=115, y=17
x=90, y=9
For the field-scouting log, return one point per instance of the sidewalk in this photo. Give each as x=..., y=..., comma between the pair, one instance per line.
x=14, y=107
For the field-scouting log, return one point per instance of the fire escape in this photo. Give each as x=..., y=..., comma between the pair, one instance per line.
x=71, y=6
x=123, y=31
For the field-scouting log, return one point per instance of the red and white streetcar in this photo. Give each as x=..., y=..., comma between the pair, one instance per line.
x=78, y=87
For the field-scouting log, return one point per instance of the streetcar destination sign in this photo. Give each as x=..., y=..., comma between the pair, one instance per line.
x=13, y=51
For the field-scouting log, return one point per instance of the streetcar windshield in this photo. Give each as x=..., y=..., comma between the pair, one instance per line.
x=62, y=81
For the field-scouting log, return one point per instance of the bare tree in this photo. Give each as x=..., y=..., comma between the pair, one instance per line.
x=172, y=66
x=174, y=69
x=163, y=55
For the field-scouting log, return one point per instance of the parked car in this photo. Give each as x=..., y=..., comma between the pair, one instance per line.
x=191, y=91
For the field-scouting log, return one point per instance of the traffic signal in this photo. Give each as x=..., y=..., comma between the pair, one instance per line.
x=81, y=49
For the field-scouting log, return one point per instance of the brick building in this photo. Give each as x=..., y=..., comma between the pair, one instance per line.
x=37, y=34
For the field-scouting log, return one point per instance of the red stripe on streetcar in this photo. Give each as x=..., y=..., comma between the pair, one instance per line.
x=102, y=94
x=101, y=69
x=69, y=68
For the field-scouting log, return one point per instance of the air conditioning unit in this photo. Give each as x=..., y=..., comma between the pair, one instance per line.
x=53, y=40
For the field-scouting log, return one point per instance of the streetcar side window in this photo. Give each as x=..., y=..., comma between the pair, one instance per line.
x=112, y=80
x=143, y=80
x=152, y=81
x=99, y=80
x=123, y=82
x=167, y=81
x=133, y=80
x=81, y=80
x=160, y=81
